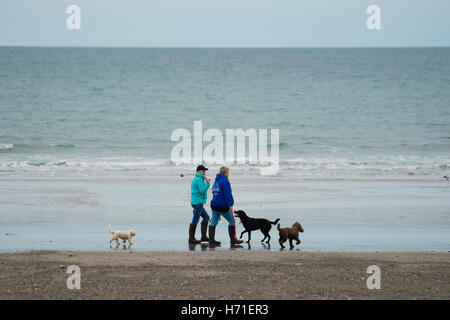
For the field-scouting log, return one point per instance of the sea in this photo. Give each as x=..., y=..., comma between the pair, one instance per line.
x=364, y=144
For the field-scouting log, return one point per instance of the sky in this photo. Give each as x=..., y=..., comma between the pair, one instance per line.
x=225, y=23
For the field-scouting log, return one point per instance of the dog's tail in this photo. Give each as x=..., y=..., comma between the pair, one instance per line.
x=278, y=227
x=276, y=221
x=110, y=230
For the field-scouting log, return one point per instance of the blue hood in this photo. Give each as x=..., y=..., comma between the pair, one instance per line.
x=220, y=177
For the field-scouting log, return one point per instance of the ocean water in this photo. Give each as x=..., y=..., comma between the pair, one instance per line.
x=364, y=143
x=341, y=112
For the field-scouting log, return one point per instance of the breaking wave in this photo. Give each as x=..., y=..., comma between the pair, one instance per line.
x=321, y=167
x=6, y=146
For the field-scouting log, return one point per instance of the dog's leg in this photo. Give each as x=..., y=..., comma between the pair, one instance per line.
x=298, y=240
x=249, y=236
x=242, y=233
x=114, y=238
x=268, y=240
x=266, y=235
x=281, y=243
x=291, y=244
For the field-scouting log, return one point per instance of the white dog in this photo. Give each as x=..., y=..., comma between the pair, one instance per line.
x=124, y=235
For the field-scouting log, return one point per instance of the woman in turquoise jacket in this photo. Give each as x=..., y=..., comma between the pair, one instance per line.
x=199, y=185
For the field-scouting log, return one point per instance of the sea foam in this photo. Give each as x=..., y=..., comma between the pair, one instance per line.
x=6, y=146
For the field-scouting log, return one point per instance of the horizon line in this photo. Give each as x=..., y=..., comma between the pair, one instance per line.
x=225, y=47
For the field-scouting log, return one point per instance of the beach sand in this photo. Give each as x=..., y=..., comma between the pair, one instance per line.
x=225, y=275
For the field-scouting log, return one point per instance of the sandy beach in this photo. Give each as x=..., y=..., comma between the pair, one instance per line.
x=225, y=275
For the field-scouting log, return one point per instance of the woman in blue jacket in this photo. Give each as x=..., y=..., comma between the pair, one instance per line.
x=222, y=205
x=199, y=186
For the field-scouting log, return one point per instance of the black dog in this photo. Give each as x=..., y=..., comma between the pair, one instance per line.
x=252, y=224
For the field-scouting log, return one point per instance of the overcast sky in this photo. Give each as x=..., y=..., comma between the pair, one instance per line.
x=225, y=23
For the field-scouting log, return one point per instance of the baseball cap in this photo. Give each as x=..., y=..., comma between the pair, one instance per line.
x=201, y=167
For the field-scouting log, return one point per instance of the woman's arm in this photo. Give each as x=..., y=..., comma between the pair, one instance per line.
x=228, y=195
x=204, y=186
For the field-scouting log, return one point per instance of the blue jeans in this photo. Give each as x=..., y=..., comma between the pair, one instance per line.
x=198, y=212
x=227, y=215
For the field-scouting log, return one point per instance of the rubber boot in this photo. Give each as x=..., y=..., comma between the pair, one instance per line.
x=192, y=239
x=232, y=234
x=204, y=228
x=212, y=232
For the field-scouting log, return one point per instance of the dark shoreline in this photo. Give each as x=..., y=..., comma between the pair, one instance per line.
x=225, y=275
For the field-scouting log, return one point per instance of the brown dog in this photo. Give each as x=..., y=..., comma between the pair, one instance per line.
x=289, y=233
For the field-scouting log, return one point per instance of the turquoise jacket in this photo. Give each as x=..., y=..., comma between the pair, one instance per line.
x=198, y=189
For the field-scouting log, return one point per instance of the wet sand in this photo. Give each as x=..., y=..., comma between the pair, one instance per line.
x=225, y=275
x=57, y=213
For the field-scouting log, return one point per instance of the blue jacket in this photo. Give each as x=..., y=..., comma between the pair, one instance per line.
x=221, y=190
x=198, y=189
